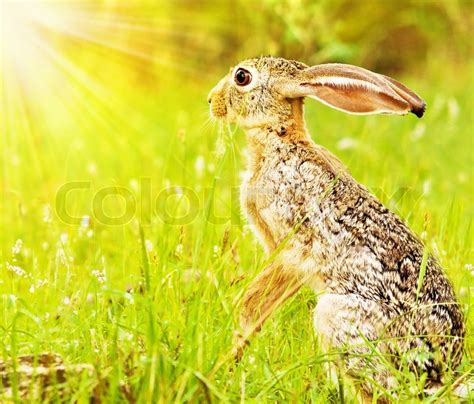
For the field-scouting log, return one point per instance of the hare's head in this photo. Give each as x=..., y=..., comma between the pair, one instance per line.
x=260, y=91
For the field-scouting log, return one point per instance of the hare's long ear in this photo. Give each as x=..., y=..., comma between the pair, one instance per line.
x=354, y=90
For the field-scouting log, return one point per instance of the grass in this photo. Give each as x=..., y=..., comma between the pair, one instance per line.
x=152, y=303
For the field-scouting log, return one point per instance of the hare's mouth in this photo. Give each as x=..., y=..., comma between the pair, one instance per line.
x=218, y=110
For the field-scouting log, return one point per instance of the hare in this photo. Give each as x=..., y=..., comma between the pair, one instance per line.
x=379, y=287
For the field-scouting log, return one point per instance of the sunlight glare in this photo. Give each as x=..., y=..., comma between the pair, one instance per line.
x=23, y=25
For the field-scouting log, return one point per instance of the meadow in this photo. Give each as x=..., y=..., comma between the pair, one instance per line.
x=122, y=245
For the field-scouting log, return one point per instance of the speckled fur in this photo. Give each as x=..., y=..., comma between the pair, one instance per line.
x=335, y=236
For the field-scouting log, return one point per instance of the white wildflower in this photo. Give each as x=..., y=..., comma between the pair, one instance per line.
x=16, y=249
x=438, y=251
x=47, y=215
x=26, y=252
x=63, y=238
x=67, y=301
x=61, y=257
x=85, y=221
x=149, y=245
x=99, y=275
x=125, y=335
x=190, y=275
x=179, y=249
x=129, y=298
x=215, y=250
x=39, y=283
x=426, y=186
x=16, y=269
x=90, y=233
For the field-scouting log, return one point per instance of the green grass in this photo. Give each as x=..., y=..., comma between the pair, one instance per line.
x=152, y=304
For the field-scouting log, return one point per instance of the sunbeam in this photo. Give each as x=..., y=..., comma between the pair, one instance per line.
x=52, y=51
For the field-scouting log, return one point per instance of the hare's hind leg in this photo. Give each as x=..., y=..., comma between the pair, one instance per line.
x=353, y=326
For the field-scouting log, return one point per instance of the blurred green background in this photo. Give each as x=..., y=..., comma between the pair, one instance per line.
x=113, y=94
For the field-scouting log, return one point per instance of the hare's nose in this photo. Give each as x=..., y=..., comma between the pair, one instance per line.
x=210, y=95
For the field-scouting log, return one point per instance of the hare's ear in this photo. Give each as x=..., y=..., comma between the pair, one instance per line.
x=354, y=90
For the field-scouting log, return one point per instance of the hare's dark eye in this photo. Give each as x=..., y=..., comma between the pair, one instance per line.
x=242, y=77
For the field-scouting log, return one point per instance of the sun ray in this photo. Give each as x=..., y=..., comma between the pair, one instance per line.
x=50, y=55
x=95, y=26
